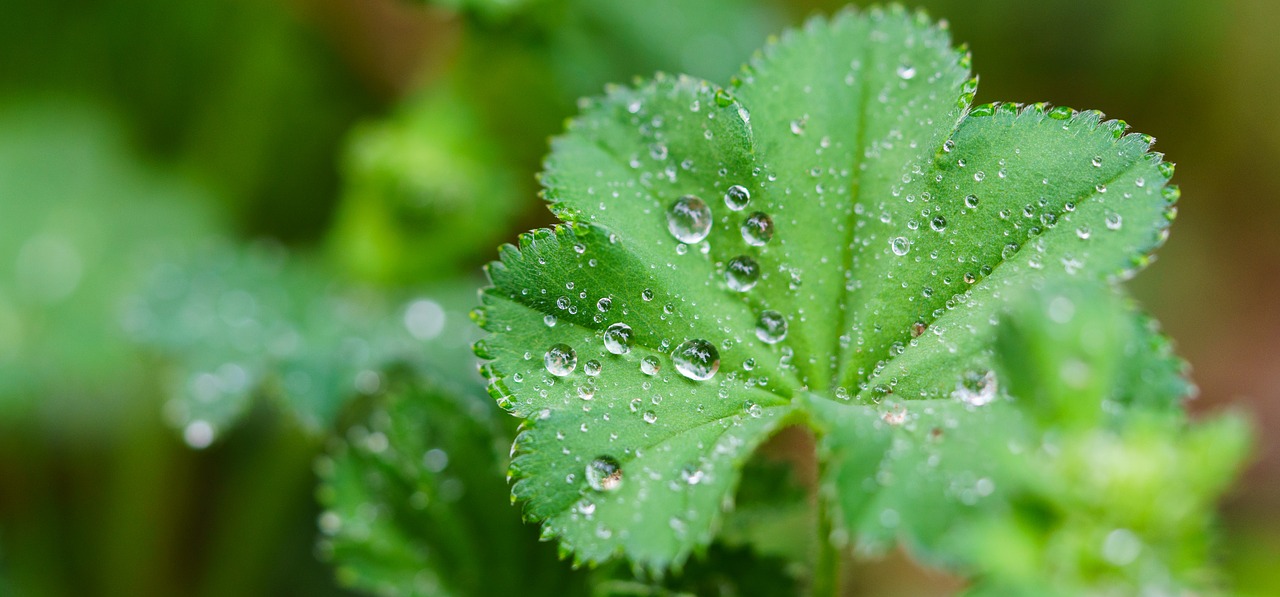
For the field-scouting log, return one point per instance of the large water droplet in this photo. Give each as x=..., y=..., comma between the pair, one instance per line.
x=696, y=359
x=560, y=360
x=737, y=197
x=771, y=328
x=689, y=219
x=617, y=338
x=742, y=273
x=900, y=245
x=757, y=229
x=604, y=474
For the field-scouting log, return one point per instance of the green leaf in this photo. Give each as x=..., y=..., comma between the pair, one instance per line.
x=425, y=190
x=902, y=222
x=416, y=503
x=238, y=323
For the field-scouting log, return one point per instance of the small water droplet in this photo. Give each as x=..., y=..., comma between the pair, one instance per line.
x=560, y=360
x=737, y=197
x=938, y=223
x=617, y=338
x=591, y=367
x=742, y=273
x=604, y=474
x=900, y=245
x=604, y=304
x=757, y=229
x=1114, y=221
x=1096, y=161
x=550, y=320
x=696, y=359
x=971, y=201
x=689, y=219
x=907, y=72
x=771, y=327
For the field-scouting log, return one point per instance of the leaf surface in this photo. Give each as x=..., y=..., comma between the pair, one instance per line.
x=901, y=222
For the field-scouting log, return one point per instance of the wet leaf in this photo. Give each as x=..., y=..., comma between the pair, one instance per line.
x=831, y=239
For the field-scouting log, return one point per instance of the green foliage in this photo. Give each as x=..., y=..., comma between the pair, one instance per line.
x=666, y=330
x=83, y=223
x=426, y=189
x=236, y=323
x=417, y=504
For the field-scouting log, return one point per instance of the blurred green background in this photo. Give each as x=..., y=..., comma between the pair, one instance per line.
x=372, y=150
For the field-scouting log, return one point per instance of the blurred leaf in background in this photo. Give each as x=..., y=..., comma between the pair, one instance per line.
x=83, y=223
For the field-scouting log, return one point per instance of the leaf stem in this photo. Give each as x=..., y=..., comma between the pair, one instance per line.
x=826, y=569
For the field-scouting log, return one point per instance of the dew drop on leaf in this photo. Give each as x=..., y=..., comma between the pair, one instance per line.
x=617, y=338
x=604, y=474
x=971, y=201
x=560, y=360
x=771, y=327
x=696, y=359
x=689, y=219
x=938, y=223
x=591, y=367
x=737, y=197
x=757, y=229
x=649, y=366
x=907, y=72
x=742, y=273
x=604, y=304
x=900, y=245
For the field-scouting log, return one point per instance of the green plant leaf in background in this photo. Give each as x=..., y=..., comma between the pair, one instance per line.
x=416, y=503
x=235, y=323
x=425, y=190
x=83, y=222
x=829, y=240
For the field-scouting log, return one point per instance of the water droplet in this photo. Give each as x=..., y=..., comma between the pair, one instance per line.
x=907, y=72
x=604, y=474
x=797, y=126
x=550, y=320
x=591, y=367
x=900, y=245
x=771, y=327
x=742, y=273
x=646, y=295
x=696, y=359
x=650, y=366
x=1096, y=161
x=1009, y=251
x=650, y=417
x=737, y=197
x=757, y=229
x=976, y=389
x=604, y=304
x=617, y=338
x=1114, y=221
x=938, y=223
x=971, y=201
x=1083, y=232
x=689, y=219
x=560, y=360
